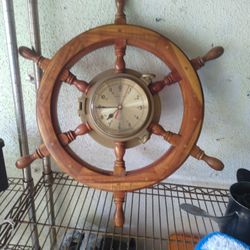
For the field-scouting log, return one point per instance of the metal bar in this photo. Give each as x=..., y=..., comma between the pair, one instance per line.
x=188, y=220
x=87, y=214
x=17, y=213
x=205, y=225
x=167, y=215
x=149, y=202
x=130, y=217
x=138, y=220
x=145, y=218
x=94, y=216
x=108, y=222
x=9, y=22
x=35, y=36
x=160, y=215
x=38, y=205
x=60, y=206
x=36, y=45
x=24, y=207
x=7, y=199
x=71, y=216
x=153, y=219
x=67, y=206
x=101, y=217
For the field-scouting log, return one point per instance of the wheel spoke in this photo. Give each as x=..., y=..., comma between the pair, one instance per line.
x=169, y=79
x=43, y=63
x=119, y=167
x=120, y=51
x=119, y=217
x=119, y=170
x=196, y=152
x=120, y=44
x=42, y=151
x=120, y=17
x=197, y=63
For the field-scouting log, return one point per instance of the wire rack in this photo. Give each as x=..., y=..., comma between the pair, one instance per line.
x=83, y=217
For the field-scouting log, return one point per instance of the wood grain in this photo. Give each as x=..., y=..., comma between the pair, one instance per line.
x=197, y=63
x=120, y=17
x=120, y=51
x=191, y=91
x=196, y=152
x=43, y=63
x=42, y=151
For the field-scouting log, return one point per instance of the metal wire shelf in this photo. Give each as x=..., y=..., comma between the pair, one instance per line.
x=85, y=216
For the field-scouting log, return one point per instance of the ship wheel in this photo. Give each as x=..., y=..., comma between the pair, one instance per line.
x=120, y=108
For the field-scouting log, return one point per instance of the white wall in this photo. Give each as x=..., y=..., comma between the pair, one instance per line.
x=195, y=26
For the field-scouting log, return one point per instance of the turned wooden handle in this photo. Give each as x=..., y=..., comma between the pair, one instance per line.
x=29, y=54
x=68, y=77
x=120, y=17
x=26, y=160
x=42, y=150
x=213, y=162
x=197, y=63
x=213, y=53
x=43, y=62
x=196, y=152
x=119, y=167
x=119, y=217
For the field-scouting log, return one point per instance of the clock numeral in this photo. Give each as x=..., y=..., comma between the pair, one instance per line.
x=137, y=97
x=129, y=90
x=140, y=107
x=103, y=96
x=120, y=87
x=129, y=124
x=136, y=117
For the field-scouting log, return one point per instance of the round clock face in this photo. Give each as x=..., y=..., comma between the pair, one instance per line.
x=119, y=107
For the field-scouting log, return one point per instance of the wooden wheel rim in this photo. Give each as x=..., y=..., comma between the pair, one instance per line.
x=191, y=91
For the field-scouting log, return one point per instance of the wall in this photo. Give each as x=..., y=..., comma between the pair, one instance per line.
x=195, y=26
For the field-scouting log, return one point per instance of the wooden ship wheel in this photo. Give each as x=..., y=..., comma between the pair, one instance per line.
x=120, y=108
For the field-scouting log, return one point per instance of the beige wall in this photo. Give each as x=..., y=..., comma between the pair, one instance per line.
x=195, y=26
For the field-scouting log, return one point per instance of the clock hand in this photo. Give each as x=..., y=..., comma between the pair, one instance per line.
x=124, y=96
x=105, y=107
x=111, y=115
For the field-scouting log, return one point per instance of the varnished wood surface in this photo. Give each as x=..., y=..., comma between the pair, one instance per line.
x=42, y=151
x=197, y=63
x=120, y=17
x=120, y=51
x=119, y=170
x=42, y=62
x=196, y=152
x=174, y=59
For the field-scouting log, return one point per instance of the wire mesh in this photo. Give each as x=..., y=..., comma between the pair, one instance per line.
x=84, y=217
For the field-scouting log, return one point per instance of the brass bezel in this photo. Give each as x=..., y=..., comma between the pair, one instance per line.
x=105, y=138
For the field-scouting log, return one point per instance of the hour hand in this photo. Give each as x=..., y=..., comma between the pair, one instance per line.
x=110, y=116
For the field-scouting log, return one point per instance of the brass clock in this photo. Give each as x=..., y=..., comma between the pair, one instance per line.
x=120, y=108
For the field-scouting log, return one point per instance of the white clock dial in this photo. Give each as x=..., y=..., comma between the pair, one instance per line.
x=119, y=107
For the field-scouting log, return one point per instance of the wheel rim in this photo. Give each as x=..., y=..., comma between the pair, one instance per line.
x=162, y=48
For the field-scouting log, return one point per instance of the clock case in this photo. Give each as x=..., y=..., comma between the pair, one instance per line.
x=134, y=138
